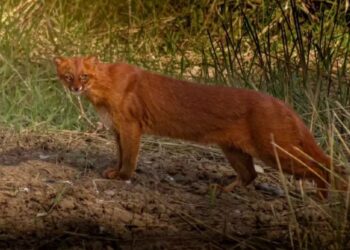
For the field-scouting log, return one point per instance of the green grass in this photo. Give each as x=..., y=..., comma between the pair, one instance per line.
x=298, y=54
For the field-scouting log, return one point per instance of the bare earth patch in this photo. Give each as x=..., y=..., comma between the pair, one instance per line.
x=53, y=197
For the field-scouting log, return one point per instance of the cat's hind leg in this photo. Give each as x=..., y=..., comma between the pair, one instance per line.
x=242, y=163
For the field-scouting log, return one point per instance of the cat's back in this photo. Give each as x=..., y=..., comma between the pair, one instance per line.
x=190, y=93
x=164, y=90
x=118, y=70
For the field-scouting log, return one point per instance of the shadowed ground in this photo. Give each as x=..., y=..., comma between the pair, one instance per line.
x=52, y=196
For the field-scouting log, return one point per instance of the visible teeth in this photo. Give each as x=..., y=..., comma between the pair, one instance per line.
x=77, y=92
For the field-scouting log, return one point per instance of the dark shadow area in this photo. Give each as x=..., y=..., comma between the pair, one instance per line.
x=57, y=152
x=78, y=234
x=89, y=155
x=171, y=200
x=68, y=235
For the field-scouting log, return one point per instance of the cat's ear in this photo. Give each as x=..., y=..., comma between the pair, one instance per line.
x=58, y=60
x=93, y=60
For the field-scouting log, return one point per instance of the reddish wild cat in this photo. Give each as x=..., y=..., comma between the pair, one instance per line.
x=242, y=122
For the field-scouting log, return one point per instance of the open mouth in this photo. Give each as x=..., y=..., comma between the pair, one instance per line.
x=77, y=91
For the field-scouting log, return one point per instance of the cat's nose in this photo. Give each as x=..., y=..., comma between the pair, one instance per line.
x=76, y=88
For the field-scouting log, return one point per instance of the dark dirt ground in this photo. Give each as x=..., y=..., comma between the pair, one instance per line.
x=53, y=197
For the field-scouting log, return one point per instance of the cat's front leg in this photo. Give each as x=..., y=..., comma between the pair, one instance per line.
x=128, y=140
x=112, y=172
x=119, y=150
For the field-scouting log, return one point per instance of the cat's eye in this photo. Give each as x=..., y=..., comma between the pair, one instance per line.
x=84, y=78
x=68, y=78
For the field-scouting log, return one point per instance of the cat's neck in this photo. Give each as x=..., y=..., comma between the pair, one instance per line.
x=104, y=92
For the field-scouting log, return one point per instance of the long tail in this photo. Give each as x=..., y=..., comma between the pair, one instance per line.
x=323, y=165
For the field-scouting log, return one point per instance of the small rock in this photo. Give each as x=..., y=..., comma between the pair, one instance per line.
x=43, y=157
x=67, y=182
x=42, y=214
x=67, y=204
x=265, y=187
x=109, y=192
x=170, y=178
x=179, y=178
x=259, y=169
x=25, y=189
x=263, y=218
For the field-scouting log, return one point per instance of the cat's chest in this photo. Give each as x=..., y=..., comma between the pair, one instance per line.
x=105, y=117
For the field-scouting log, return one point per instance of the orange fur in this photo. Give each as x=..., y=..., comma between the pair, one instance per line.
x=240, y=121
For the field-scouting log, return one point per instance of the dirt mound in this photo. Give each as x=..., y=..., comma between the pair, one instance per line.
x=52, y=197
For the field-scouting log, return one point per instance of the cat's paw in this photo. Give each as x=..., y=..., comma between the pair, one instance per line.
x=110, y=173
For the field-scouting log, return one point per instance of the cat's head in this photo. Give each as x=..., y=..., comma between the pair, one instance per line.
x=77, y=73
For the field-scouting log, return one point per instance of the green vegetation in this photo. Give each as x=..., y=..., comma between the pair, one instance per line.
x=296, y=50
x=281, y=47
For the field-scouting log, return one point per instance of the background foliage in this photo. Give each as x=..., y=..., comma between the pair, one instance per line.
x=296, y=50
